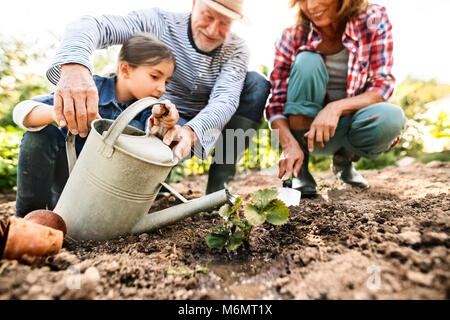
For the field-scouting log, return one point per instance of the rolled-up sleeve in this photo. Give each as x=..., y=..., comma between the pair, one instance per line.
x=285, y=49
x=23, y=108
x=223, y=101
x=88, y=33
x=380, y=78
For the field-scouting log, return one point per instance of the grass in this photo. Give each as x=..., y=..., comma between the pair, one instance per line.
x=443, y=156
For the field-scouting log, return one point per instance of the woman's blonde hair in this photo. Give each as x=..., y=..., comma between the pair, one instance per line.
x=348, y=9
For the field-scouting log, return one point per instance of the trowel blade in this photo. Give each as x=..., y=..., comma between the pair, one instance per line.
x=290, y=197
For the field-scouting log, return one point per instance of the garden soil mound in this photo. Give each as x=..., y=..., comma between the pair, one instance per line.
x=390, y=241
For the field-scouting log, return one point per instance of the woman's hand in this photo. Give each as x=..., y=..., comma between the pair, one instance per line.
x=167, y=116
x=323, y=126
x=292, y=157
x=290, y=161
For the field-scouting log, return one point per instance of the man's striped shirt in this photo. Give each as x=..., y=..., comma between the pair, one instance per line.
x=205, y=87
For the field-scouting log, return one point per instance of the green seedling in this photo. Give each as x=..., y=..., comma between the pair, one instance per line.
x=235, y=231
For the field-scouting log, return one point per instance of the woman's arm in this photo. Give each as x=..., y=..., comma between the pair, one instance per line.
x=380, y=78
x=292, y=158
x=285, y=50
x=378, y=87
x=325, y=123
x=353, y=104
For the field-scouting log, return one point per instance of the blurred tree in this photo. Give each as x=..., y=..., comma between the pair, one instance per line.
x=412, y=95
x=441, y=126
x=17, y=83
x=105, y=60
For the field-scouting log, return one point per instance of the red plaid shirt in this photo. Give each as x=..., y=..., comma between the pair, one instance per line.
x=368, y=39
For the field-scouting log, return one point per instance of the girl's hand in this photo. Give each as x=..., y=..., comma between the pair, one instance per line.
x=323, y=127
x=53, y=115
x=167, y=116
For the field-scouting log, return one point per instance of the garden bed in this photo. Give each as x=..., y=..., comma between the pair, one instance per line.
x=388, y=242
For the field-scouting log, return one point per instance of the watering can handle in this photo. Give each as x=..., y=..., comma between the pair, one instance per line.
x=114, y=131
x=70, y=150
x=122, y=121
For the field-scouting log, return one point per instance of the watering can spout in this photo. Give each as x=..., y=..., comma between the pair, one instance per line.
x=162, y=218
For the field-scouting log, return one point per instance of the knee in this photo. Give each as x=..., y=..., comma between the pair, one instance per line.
x=309, y=64
x=391, y=121
x=254, y=96
x=377, y=126
x=37, y=141
x=256, y=87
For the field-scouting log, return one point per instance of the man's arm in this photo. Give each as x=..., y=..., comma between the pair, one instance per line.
x=76, y=97
x=223, y=101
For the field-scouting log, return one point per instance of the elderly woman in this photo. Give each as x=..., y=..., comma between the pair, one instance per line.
x=330, y=83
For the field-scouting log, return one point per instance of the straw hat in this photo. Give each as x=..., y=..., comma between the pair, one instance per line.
x=229, y=8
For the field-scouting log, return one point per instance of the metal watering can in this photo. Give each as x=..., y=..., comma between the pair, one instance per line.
x=118, y=174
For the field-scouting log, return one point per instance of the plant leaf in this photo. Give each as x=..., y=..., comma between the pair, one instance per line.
x=225, y=211
x=236, y=240
x=242, y=224
x=236, y=206
x=253, y=216
x=217, y=241
x=277, y=212
x=261, y=197
x=222, y=229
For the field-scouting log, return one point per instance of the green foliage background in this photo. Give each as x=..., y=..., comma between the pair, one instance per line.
x=18, y=83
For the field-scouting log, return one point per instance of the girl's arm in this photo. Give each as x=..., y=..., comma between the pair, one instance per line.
x=40, y=115
x=32, y=115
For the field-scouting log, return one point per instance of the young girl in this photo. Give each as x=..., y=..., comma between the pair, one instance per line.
x=145, y=67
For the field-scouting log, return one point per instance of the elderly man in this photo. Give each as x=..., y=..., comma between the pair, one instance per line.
x=210, y=87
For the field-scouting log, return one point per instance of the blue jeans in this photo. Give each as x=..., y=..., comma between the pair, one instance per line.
x=249, y=112
x=253, y=98
x=42, y=169
x=248, y=116
x=368, y=133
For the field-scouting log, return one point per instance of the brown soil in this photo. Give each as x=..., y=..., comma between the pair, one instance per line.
x=388, y=242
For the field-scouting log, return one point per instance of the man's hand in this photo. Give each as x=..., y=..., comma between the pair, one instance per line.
x=76, y=99
x=323, y=127
x=184, y=137
x=290, y=161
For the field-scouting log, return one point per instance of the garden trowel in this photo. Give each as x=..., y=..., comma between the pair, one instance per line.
x=289, y=196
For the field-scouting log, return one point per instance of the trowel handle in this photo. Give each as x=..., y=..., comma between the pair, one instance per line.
x=287, y=183
x=161, y=130
x=70, y=150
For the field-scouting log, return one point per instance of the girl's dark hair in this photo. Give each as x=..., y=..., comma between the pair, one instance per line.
x=145, y=49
